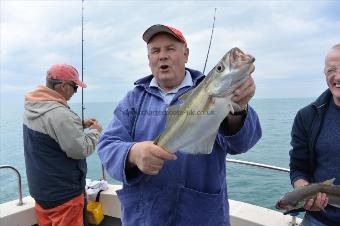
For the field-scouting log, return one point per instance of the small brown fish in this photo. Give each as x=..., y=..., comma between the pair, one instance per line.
x=297, y=198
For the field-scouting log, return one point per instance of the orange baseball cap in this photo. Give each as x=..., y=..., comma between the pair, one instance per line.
x=158, y=28
x=65, y=72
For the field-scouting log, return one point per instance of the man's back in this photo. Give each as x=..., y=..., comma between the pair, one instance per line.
x=56, y=146
x=52, y=175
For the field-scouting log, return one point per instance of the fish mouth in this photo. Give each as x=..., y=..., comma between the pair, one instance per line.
x=287, y=209
x=279, y=206
x=239, y=58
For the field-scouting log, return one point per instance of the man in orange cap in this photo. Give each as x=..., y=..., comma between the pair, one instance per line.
x=56, y=146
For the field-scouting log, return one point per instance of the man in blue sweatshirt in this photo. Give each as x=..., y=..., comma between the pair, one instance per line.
x=184, y=189
x=315, y=153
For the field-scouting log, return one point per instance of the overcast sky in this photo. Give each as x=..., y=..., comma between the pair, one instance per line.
x=288, y=39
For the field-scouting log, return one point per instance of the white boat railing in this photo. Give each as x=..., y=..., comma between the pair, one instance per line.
x=258, y=165
x=20, y=203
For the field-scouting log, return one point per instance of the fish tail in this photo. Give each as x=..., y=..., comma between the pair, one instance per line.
x=321, y=208
x=329, y=182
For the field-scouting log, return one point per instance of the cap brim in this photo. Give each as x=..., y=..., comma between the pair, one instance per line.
x=155, y=29
x=80, y=83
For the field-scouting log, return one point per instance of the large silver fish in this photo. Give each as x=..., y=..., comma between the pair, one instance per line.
x=297, y=198
x=192, y=126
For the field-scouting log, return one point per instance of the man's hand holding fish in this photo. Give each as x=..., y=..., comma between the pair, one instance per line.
x=148, y=157
x=316, y=203
x=242, y=96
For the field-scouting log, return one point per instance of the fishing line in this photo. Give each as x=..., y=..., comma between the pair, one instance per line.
x=212, y=32
x=82, y=62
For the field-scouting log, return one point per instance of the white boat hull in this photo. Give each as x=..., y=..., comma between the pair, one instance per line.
x=242, y=214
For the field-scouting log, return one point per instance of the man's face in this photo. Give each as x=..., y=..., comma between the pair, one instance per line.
x=167, y=57
x=332, y=72
x=70, y=88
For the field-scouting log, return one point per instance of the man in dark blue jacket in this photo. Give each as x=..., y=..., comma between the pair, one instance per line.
x=184, y=189
x=315, y=154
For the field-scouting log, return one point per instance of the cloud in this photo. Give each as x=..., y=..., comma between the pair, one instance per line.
x=287, y=38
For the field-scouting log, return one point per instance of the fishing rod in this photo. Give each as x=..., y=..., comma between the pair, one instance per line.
x=82, y=75
x=82, y=61
x=212, y=32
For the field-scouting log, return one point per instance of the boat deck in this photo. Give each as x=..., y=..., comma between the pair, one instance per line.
x=110, y=221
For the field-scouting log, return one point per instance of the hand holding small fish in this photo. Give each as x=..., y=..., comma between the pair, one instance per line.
x=88, y=122
x=92, y=123
x=308, y=196
x=148, y=157
x=318, y=203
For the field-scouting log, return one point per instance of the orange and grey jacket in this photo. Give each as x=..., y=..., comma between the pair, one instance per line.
x=55, y=147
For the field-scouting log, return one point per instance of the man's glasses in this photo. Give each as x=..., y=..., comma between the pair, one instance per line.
x=331, y=71
x=74, y=86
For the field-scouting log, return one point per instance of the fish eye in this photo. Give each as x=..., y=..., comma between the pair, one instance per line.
x=220, y=68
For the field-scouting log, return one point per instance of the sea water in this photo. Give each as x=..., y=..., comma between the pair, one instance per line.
x=254, y=185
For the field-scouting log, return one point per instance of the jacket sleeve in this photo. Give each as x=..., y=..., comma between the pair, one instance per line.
x=245, y=138
x=299, y=154
x=68, y=131
x=116, y=142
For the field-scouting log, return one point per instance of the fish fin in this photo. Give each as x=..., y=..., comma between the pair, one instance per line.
x=208, y=104
x=157, y=138
x=321, y=208
x=329, y=182
x=202, y=146
x=231, y=108
x=234, y=107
